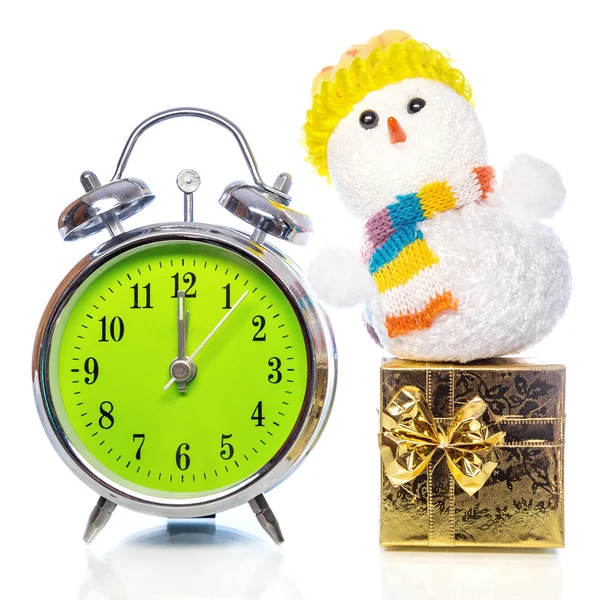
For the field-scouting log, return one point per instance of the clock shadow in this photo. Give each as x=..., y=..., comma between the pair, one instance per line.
x=187, y=559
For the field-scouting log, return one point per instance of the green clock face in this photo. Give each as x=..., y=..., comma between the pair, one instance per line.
x=112, y=355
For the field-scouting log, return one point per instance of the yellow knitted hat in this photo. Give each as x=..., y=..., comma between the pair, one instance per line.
x=384, y=59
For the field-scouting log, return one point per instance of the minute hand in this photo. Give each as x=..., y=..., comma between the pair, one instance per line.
x=216, y=328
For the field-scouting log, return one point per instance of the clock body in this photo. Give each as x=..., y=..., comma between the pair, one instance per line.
x=263, y=383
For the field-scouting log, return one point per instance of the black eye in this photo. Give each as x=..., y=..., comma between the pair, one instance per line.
x=368, y=119
x=415, y=105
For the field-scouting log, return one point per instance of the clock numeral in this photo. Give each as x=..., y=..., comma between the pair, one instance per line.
x=116, y=329
x=136, y=296
x=188, y=279
x=275, y=364
x=106, y=420
x=227, y=451
x=227, y=289
x=181, y=458
x=90, y=366
x=260, y=322
x=139, y=436
x=257, y=415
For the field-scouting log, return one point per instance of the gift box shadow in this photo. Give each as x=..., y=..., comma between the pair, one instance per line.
x=484, y=574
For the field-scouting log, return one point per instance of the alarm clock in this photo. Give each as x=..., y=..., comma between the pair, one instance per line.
x=182, y=369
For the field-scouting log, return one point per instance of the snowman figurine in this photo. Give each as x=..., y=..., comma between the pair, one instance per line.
x=454, y=266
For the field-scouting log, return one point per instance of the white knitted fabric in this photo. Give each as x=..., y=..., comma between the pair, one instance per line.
x=444, y=140
x=508, y=271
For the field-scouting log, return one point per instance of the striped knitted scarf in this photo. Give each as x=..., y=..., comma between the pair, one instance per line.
x=404, y=267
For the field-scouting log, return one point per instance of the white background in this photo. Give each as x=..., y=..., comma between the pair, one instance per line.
x=76, y=78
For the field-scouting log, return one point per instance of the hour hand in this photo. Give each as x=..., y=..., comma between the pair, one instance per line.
x=182, y=368
x=181, y=324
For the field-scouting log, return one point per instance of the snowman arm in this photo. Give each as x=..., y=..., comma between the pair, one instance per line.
x=339, y=277
x=531, y=188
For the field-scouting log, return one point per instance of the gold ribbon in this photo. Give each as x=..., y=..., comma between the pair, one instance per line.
x=411, y=436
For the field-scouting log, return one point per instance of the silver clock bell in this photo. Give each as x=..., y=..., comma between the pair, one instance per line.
x=264, y=207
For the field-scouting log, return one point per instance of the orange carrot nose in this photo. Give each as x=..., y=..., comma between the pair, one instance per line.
x=397, y=134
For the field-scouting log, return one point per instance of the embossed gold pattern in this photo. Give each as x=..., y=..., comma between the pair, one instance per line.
x=510, y=415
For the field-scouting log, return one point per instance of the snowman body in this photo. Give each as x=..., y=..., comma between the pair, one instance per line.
x=511, y=280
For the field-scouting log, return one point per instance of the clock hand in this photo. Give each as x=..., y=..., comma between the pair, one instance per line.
x=205, y=341
x=182, y=368
x=181, y=325
x=218, y=325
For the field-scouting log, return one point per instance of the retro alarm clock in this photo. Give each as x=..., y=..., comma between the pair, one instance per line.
x=182, y=369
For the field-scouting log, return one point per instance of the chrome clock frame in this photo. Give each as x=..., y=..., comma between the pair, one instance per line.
x=320, y=390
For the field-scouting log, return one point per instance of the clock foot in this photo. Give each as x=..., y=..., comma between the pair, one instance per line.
x=266, y=518
x=98, y=518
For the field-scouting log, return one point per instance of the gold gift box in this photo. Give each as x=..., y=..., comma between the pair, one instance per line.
x=518, y=452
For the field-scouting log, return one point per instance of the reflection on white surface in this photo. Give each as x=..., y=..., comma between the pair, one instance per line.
x=187, y=560
x=482, y=575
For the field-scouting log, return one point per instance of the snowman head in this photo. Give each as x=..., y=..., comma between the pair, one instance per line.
x=388, y=123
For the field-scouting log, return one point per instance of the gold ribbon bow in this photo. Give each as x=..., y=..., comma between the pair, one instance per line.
x=411, y=435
